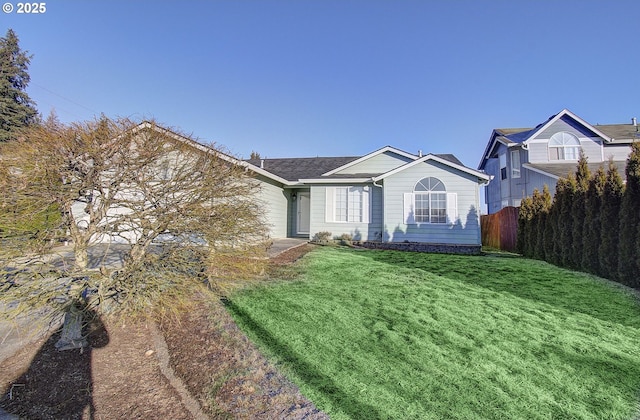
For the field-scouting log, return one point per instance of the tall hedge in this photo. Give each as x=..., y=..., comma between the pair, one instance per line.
x=556, y=214
x=524, y=226
x=578, y=211
x=592, y=226
x=550, y=229
x=628, y=268
x=609, y=234
x=565, y=222
x=542, y=205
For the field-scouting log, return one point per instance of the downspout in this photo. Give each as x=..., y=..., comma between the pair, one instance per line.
x=384, y=213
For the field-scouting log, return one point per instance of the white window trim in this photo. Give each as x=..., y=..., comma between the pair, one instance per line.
x=410, y=205
x=503, y=166
x=515, y=164
x=562, y=145
x=330, y=204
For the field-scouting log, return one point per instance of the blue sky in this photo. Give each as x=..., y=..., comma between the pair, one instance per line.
x=335, y=78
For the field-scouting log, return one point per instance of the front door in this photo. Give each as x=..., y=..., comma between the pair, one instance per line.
x=304, y=213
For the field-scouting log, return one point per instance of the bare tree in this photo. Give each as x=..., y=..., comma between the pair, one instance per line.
x=172, y=203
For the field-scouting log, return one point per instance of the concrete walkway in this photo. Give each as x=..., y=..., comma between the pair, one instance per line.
x=281, y=245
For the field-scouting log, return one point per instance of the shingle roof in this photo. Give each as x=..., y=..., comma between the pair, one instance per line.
x=294, y=169
x=451, y=158
x=561, y=170
x=621, y=133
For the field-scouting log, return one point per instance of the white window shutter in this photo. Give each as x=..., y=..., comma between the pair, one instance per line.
x=366, y=205
x=452, y=208
x=329, y=209
x=409, y=209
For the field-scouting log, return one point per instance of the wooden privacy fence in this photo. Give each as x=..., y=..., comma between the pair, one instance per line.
x=500, y=230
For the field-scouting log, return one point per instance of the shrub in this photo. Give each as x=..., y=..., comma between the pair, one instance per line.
x=346, y=239
x=611, y=197
x=321, y=237
x=629, y=221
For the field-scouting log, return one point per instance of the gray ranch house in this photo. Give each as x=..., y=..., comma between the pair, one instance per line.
x=417, y=202
x=388, y=196
x=520, y=160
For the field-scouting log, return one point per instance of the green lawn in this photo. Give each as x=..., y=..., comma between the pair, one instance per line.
x=381, y=334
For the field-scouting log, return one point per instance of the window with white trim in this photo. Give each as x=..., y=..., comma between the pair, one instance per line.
x=564, y=146
x=515, y=164
x=503, y=165
x=430, y=203
x=347, y=204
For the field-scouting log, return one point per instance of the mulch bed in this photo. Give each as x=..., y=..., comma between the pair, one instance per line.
x=118, y=376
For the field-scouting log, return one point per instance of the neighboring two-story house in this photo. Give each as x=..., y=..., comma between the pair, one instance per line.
x=523, y=159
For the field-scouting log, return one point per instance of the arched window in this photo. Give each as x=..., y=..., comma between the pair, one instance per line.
x=430, y=201
x=564, y=146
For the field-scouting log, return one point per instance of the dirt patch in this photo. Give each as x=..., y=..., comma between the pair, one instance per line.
x=119, y=375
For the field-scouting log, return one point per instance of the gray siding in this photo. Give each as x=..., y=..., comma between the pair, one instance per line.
x=539, y=146
x=565, y=124
x=379, y=164
x=617, y=151
x=494, y=191
x=274, y=201
x=359, y=231
x=466, y=230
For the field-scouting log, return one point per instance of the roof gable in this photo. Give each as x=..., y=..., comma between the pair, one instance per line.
x=371, y=155
x=443, y=159
x=514, y=136
x=562, y=114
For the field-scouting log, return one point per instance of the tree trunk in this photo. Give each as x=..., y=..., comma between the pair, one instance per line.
x=138, y=251
x=81, y=256
x=71, y=337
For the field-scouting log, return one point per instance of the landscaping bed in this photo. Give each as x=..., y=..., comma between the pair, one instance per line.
x=120, y=374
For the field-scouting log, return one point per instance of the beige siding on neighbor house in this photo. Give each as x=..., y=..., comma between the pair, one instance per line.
x=617, y=151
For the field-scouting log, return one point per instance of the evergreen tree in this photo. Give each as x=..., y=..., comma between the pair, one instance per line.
x=543, y=206
x=532, y=225
x=610, y=211
x=524, y=217
x=550, y=228
x=592, y=226
x=17, y=110
x=578, y=210
x=558, y=205
x=566, y=222
x=628, y=269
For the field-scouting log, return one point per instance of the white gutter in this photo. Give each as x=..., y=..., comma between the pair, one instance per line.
x=335, y=180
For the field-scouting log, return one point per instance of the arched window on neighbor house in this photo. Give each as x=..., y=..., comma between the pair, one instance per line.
x=564, y=146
